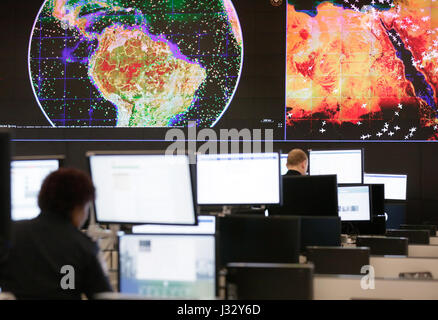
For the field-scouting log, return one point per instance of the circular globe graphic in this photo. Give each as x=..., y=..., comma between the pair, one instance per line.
x=135, y=63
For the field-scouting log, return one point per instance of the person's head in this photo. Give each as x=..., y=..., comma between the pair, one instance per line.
x=297, y=160
x=67, y=192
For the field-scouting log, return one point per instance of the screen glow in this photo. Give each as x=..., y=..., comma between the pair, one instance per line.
x=346, y=164
x=26, y=179
x=143, y=189
x=354, y=203
x=238, y=178
x=168, y=266
x=395, y=184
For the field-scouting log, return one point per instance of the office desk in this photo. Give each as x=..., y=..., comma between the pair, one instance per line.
x=415, y=250
x=392, y=266
x=430, y=250
x=347, y=287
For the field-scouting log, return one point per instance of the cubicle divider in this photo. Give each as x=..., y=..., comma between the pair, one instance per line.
x=384, y=245
x=246, y=281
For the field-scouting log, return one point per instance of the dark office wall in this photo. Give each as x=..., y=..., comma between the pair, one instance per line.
x=418, y=160
x=5, y=192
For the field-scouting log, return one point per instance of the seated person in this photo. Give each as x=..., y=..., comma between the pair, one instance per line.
x=49, y=257
x=297, y=163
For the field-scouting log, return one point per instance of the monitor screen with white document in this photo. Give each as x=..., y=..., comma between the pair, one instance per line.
x=168, y=266
x=143, y=189
x=238, y=179
x=354, y=202
x=27, y=177
x=395, y=184
x=346, y=164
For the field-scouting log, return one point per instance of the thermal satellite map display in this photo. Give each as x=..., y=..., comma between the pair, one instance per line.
x=362, y=70
x=135, y=63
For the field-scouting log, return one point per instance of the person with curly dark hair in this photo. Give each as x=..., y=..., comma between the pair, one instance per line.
x=50, y=258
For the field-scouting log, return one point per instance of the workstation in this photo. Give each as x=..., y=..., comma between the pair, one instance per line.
x=251, y=232
x=219, y=150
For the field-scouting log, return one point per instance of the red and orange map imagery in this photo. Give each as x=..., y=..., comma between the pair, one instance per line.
x=362, y=70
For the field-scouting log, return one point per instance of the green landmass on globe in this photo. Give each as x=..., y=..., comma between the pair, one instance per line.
x=133, y=62
x=142, y=77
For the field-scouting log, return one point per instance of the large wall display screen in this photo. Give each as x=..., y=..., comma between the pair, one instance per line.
x=135, y=63
x=349, y=70
x=143, y=65
x=362, y=70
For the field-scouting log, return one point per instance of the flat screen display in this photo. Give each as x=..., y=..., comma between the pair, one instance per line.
x=250, y=178
x=27, y=177
x=141, y=189
x=395, y=184
x=308, y=196
x=346, y=164
x=168, y=266
x=354, y=203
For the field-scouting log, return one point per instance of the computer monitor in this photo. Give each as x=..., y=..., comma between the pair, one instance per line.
x=320, y=231
x=308, y=196
x=283, y=163
x=395, y=184
x=206, y=225
x=377, y=226
x=431, y=228
x=143, y=189
x=395, y=214
x=338, y=260
x=238, y=179
x=381, y=245
x=249, y=238
x=346, y=164
x=168, y=266
x=267, y=281
x=414, y=236
x=354, y=203
x=27, y=176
